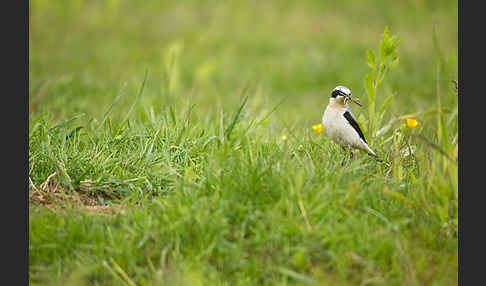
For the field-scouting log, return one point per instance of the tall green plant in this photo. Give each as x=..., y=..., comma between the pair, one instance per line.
x=387, y=60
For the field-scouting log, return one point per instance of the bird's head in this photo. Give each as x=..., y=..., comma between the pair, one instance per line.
x=341, y=94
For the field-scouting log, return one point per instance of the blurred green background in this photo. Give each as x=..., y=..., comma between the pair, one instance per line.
x=83, y=52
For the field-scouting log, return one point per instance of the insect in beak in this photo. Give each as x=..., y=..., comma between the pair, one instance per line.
x=355, y=100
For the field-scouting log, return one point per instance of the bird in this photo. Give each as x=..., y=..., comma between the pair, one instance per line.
x=340, y=124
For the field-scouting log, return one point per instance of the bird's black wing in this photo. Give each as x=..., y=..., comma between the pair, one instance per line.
x=354, y=124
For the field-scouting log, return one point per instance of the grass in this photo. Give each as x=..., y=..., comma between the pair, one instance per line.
x=189, y=126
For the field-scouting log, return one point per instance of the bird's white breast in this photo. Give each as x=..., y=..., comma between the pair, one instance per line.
x=338, y=128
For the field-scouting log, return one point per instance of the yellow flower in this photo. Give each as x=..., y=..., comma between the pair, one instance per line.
x=284, y=137
x=412, y=123
x=317, y=128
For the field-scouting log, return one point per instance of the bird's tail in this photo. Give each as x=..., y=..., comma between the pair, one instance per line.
x=372, y=153
x=368, y=150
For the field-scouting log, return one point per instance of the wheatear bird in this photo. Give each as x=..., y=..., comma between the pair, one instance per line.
x=340, y=123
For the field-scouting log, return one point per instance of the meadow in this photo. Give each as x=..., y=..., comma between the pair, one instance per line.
x=171, y=143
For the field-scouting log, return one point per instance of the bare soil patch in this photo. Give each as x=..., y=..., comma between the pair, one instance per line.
x=53, y=196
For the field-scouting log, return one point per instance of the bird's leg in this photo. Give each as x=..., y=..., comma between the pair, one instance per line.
x=350, y=152
x=345, y=153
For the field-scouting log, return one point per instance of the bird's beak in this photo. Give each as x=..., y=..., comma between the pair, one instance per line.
x=355, y=100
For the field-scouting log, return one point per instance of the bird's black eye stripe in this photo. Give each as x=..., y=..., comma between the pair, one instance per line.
x=337, y=92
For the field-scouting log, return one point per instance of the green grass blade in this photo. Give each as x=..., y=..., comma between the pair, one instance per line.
x=230, y=127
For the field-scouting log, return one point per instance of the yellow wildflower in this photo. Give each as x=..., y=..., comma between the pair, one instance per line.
x=317, y=128
x=284, y=137
x=412, y=123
